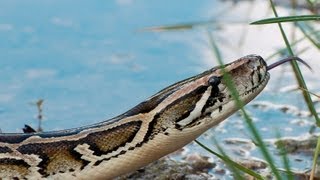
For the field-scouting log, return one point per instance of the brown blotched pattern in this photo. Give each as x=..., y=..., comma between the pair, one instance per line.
x=180, y=109
x=110, y=140
x=15, y=167
x=65, y=158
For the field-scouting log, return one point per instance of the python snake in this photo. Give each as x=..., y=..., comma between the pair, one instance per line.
x=156, y=127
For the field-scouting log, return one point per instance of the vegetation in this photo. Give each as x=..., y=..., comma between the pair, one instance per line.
x=303, y=23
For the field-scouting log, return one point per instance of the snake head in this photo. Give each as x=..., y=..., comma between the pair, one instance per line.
x=198, y=103
x=212, y=101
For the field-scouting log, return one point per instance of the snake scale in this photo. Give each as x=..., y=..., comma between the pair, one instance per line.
x=154, y=128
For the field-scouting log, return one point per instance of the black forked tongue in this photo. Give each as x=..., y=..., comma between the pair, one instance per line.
x=271, y=66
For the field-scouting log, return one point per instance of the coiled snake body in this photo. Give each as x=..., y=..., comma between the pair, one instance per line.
x=156, y=127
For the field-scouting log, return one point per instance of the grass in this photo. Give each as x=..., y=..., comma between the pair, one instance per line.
x=300, y=81
x=254, y=132
x=286, y=19
x=302, y=23
x=302, y=84
x=230, y=162
x=296, y=70
x=299, y=77
x=285, y=159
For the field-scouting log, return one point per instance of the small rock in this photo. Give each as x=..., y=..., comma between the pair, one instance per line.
x=297, y=145
x=196, y=167
x=253, y=164
x=199, y=163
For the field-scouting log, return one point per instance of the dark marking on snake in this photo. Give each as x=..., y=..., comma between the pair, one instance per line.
x=105, y=142
x=13, y=138
x=214, y=97
x=101, y=142
x=150, y=104
x=16, y=162
x=5, y=150
x=181, y=108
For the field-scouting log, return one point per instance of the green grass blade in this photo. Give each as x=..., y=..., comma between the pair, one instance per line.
x=297, y=71
x=315, y=158
x=303, y=85
x=310, y=2
x=213, y=24
x=304, y=31
x=239, y=103
x=317, y=151
x=215, y=48
x=285, y=159
x=312, y=5
x=236, y=173
x=224, y=157
x=262, y=146
x=284, y=51
x=218, y=55
x=176, y=27
x=230, y=162
x=287, y=19
x=310, y=92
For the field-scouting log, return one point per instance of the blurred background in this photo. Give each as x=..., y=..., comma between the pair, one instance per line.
x=92, y=60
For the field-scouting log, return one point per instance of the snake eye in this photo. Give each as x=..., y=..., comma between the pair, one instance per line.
x=214, y=81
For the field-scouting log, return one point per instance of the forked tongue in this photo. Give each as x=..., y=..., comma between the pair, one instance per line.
x=271, y=66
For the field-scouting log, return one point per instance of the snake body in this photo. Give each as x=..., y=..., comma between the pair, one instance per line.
x=156, y=127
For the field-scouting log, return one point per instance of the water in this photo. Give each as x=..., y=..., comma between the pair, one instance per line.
x=89, y=61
